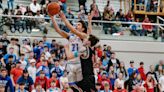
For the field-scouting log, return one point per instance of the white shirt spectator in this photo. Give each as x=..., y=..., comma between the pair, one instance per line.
x=47, y=55
x=161, y=82
x=32, y=70
x=23, y=64
x=25, y=49
x=35, y=8
x=120, y=82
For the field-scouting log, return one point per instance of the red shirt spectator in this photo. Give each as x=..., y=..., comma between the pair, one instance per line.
x=16, y=72
x=53, y=78
x=41, y=62
x=41, y=80
x=129, y=16
x=147, y=27
x=141, y=71
x=103, y=80
x=150, y=83
x=99, y=51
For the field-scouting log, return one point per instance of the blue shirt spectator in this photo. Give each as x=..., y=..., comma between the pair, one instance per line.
x=132, y=69
x=38, y=50
x=25, y=78
x=5, y=81
x=45, y=69
x=8, y=56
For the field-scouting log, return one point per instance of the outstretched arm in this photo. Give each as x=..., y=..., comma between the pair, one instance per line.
x=90, y=16
x=71, y=28
x=62, y=33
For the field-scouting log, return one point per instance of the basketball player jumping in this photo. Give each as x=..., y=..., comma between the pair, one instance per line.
x=75, y=42
x=85, y=53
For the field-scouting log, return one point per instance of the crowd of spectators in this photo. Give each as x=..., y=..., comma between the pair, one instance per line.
x=39, y=66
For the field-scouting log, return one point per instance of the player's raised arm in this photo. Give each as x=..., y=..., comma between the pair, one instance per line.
x=71, y=28
x=90, y=16
x=58, y=30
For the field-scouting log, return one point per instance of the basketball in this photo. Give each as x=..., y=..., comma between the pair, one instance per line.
x=53, y=8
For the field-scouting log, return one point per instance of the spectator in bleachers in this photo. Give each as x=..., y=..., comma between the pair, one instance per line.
x=53, y=87
x=6, y=82
x=45, y=42
x=105, y=62
x=141, y=70
x=41, y=22
x=82, y=2
x=69, y=14
x=10, y=64
x=152, y=72
x=32, y=69
x=16, y=73
x=103, y=79
x=108, y=51
x=5, y=42
x=21, y=87
x=132, y=69
x=38, y=88
x=35, y=43
x=43, y=65
x=96, y=13
x=25, y=48
x=161, y=63
x=129, y=83
x=14, y=46
x=106, y=87
x=150, y=83
x=117, y=28
x=120, y=15
x=161, y=83
x=23, y=62
x=159, y=72
x=42, y=80
x=113, y=62
x=57, y=69
x=119, y=82
x=10, y=57
x=47, y=53
x=138, y=82
x=136, y=29
x=129, y=16
x=25, y=78
x=146, y=28
x=99, y=51
x=34, y=7
x=39, y=49
x=108, y=15
x=81, y=13
x=10, y=4
x=53, y=78
x=122, y=70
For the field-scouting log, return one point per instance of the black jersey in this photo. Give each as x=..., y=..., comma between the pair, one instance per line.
x=86, y=63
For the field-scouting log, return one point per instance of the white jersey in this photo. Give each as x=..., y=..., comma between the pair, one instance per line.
x=75, y=44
